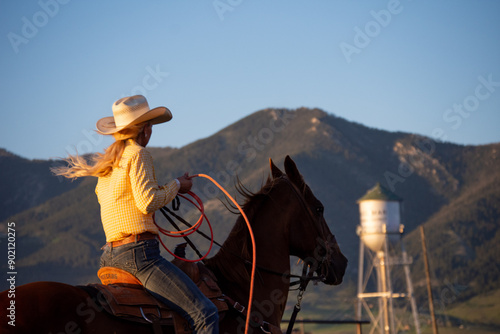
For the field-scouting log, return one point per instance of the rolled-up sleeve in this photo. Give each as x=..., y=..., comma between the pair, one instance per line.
x=148, y=195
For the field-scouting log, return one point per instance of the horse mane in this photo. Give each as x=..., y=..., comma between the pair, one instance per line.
x=251, y=204
x=253, y=200
x=239, y=238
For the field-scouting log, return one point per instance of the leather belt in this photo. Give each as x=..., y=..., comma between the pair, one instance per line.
x=133, y=238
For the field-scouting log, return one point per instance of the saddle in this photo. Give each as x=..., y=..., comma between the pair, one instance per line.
x=123, y=295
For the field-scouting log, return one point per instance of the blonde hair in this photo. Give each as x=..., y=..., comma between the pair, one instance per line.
x=102, y=163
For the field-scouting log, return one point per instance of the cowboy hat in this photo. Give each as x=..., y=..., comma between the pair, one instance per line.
x=129, y=111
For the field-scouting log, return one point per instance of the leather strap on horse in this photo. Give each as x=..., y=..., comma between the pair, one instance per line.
x=302, y=288
x=264, y=326
x=175, y=207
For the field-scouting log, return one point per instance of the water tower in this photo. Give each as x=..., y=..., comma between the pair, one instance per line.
x=380, y=245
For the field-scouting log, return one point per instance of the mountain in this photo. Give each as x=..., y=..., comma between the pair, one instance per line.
x=464, y=233
x=452, y=190
x=27, y=183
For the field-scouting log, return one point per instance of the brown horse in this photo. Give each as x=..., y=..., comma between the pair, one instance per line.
x=286, y=219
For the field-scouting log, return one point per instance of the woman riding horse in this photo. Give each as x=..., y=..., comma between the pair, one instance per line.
x=129, y=195
x=286, y=219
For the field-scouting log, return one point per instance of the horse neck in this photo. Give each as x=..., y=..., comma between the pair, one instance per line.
x=232, y=264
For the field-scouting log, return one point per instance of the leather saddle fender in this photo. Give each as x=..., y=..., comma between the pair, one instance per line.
x=123, y=295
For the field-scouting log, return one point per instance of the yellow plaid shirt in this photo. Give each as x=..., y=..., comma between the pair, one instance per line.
x=130, y=195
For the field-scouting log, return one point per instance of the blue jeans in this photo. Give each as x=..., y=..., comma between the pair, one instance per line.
x=165, y=281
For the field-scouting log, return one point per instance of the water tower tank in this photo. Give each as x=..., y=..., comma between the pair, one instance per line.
x=379, y=210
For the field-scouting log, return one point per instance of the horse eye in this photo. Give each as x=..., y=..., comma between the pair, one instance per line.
x=320, y=209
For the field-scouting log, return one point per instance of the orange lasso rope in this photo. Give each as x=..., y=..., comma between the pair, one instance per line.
x=250, y=295
x=197, y=225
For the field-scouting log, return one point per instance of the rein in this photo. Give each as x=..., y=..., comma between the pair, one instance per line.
x=302, y=288
x=192, y=228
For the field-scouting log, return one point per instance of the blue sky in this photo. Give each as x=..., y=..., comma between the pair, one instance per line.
x=426, y=67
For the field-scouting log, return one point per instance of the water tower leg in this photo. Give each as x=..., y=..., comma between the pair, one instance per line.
x=409, y=284
x=392, y=326
x=360, y=279
x=383, y=288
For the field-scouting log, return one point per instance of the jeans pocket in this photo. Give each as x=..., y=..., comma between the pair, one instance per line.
x=147, y=254
x=151, y=250
x=126, y=261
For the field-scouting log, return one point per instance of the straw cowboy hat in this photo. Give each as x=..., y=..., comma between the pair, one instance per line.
x=129, y=111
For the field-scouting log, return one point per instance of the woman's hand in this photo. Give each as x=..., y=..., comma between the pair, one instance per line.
x=186, y=183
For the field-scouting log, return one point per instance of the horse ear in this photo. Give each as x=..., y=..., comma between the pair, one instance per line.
x=292, y=171
x=275, y=171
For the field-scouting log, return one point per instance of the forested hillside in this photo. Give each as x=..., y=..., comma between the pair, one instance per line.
x=453, y=190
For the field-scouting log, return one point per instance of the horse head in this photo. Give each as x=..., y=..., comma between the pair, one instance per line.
x=310, y=237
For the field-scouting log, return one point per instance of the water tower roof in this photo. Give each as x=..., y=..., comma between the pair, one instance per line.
x=380, y=193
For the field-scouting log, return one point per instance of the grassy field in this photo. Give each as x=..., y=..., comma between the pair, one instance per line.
x=483, y=309
x=351, y=329
x=479, y=315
